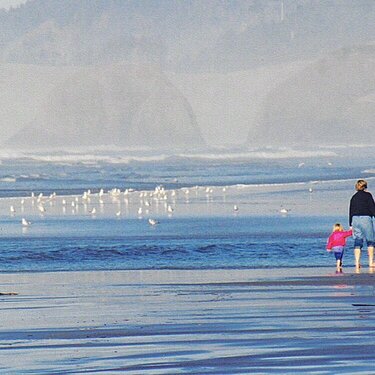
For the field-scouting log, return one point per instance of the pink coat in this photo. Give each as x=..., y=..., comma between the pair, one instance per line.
x=338, y=238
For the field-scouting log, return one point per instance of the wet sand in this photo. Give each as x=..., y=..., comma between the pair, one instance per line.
x=198, y=322
x=299, y=199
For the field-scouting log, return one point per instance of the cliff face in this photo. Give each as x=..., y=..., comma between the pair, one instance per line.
x=330, y=101
x=263, y=68
x=109, y=105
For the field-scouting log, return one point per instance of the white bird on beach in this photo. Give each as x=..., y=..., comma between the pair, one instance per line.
x=118, y=213
x=140, y=211
x=310, y=190
x=25, y=223
x=22, y=202
x=12, y=209
x=284, y=211
x=235, y=208
x=93, y=211
x=170, y=209
x=153, y=222
x=41, y=209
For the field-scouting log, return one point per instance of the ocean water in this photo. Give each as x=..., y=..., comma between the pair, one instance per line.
x=202, y=233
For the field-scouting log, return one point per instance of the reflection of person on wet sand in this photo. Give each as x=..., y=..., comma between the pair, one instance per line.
x=361, y=213
x=336, y=243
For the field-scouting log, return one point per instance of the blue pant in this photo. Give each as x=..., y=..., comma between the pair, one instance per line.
x=338, y=251
x=363, y=230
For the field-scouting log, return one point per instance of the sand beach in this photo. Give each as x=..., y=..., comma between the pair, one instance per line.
x=285, y=321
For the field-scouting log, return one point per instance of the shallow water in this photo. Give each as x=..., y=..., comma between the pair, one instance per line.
x=203, y=231
x=186, y=243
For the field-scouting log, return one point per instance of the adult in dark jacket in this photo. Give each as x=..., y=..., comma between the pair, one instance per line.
x=361, y=213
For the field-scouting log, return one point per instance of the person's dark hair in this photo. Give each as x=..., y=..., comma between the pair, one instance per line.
x=361, y=185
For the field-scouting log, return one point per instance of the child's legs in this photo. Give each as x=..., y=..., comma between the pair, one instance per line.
x=338, y=264
x=339, y=253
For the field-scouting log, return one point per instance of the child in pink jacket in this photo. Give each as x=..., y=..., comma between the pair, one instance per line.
x=336, y=243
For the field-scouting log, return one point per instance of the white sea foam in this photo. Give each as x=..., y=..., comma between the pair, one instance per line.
x=268, y=154
x=127, y=156
x=8, y=179
x=82, y=158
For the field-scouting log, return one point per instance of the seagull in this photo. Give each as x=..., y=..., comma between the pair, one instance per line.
x=41, y=209
x=300, y=165
x=118, y=213
x=25, y=223
x=284, y=211
x=153, y=221
x=22, y=202
x=12, y=209
x=310, y=190
x=93, y=211
x=235, y=208
x=63, y=202
x=170, y=209
x=140, y=211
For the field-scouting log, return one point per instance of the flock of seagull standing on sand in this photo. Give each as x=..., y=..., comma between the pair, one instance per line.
x=146, y=200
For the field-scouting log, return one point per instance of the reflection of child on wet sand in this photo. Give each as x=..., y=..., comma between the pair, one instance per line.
x=336, y=243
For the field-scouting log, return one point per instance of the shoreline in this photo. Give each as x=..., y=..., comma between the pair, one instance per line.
x=226, y=273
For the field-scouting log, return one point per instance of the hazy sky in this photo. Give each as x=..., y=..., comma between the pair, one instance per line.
x=10, y=3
